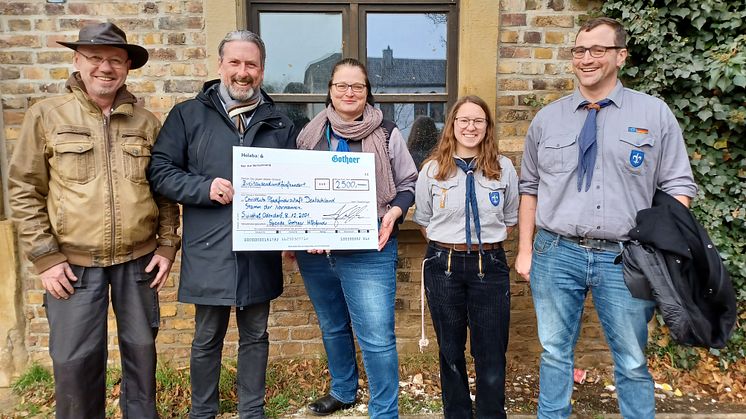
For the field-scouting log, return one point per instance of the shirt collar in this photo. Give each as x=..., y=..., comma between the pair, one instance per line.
x=616, y=96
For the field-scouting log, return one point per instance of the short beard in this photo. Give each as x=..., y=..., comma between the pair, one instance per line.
x=105, y=92
x=241, y=95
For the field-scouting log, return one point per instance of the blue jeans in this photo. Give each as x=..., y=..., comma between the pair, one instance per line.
x=355, y=291
x=562, y=273
x=458, y=297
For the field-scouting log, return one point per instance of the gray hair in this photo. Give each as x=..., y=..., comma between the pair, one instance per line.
x=244, y=35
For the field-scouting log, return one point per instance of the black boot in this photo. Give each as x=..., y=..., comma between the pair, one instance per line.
x=327, y=405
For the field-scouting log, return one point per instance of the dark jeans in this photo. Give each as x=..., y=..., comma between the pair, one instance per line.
x=78, y=340
x=211, y=323
x=458, y=297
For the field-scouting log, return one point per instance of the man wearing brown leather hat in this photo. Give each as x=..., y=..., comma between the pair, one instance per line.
x=91, y=226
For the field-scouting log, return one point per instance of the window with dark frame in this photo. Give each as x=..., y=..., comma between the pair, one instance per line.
x=409, y=48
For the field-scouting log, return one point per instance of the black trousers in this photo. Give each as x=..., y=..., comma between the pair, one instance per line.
x=211, y=323
x=78, y=340
x=462, y=295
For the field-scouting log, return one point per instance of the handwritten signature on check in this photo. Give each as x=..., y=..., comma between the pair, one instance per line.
x=344, y=214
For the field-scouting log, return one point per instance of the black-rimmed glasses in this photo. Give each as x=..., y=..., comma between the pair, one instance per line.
x=597, y=51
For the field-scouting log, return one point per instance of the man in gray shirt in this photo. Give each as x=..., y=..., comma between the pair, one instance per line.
x=591, y=161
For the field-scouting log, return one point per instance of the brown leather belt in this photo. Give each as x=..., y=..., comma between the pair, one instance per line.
x=461, y=247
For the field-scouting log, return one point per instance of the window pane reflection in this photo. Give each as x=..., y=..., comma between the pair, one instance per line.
x=298, y=47
x=404, y=114
x=406, y=52
x=422, y=138
x=420, y=124
x=300, y=113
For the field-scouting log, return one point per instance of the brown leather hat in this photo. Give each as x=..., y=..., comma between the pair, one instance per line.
x=109, y=34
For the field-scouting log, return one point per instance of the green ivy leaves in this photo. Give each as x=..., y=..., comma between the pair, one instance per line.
x=693, y=56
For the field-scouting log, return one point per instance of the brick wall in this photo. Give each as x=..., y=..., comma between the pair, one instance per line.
x=33, y=66
x=532, y=60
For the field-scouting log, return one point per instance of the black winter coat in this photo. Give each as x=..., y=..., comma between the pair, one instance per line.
x=672, y=260
x=193, y=148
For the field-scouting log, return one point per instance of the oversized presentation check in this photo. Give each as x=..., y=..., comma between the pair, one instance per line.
x=301, y=199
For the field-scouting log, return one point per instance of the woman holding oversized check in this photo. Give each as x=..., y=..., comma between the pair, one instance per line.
x=354, y=290
x=466, y=203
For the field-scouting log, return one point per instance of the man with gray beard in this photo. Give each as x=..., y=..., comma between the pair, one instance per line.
x=191, y=164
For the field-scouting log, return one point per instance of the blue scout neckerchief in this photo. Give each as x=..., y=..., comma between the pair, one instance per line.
x=587, y=147
x=471, y=202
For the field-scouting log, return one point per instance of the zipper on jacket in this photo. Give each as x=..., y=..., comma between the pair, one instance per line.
x=107, y=137
x=236, y=279
x=257, y=124
x=260, y=122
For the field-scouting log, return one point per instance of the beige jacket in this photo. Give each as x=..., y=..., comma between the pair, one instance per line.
x=77, y=183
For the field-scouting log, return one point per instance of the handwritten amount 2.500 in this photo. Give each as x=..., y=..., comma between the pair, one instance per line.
x=351, y=184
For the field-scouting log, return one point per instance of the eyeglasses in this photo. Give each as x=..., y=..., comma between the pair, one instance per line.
x=96, y=61
x=597, y=51
x=342, y=87
x=479, y=123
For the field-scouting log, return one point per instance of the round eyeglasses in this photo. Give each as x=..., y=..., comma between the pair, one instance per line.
x=463, y=122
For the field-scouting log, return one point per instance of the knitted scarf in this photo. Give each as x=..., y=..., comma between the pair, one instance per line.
x=236, y=108
x=373, y=138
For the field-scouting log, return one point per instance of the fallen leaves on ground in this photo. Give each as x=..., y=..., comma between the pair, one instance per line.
x=706, y=379
x=293, y=383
